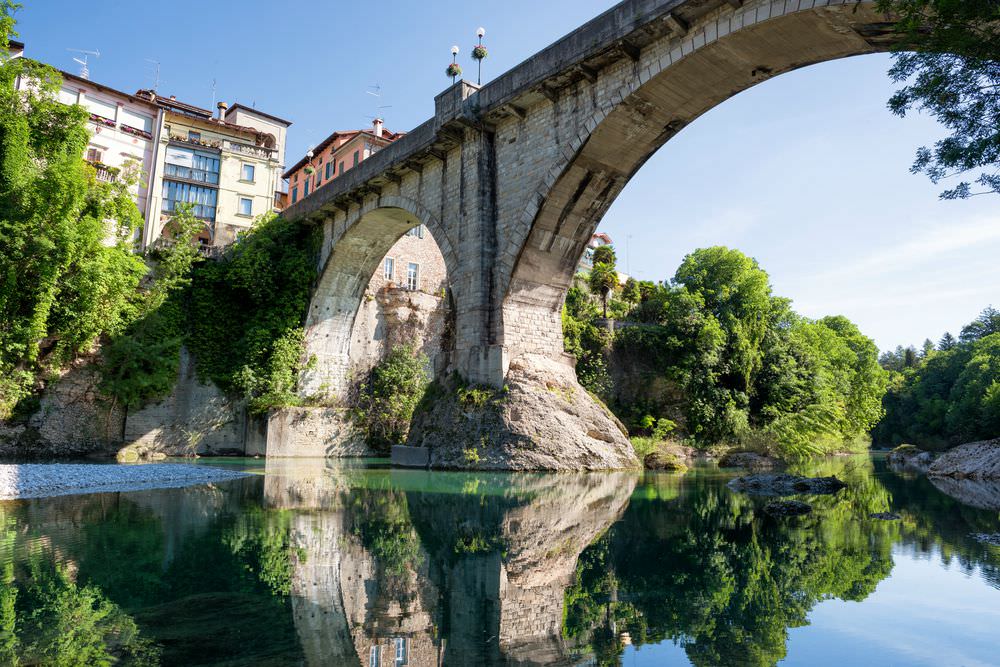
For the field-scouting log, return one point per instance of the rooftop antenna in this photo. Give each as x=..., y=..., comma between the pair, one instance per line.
x=156, y=73
x=84, y=71
x=376, y=92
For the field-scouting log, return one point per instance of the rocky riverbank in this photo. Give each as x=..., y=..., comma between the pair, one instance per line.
x=40, y=480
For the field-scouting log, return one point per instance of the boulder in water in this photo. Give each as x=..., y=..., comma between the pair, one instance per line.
x=973, y=460
x=751, y=461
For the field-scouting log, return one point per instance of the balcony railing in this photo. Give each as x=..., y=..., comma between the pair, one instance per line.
x=252, y=151
x=209, y=143
x=103, y=172
x=192, y=174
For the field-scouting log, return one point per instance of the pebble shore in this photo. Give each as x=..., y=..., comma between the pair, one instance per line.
x=39, y=480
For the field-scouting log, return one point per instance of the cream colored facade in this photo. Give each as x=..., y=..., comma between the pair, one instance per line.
x=227, y=166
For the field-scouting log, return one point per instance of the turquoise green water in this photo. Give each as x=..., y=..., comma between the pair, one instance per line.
x=320, y=563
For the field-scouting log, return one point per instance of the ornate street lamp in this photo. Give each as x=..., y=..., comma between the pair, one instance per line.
x=478, y=53
x=454, y=69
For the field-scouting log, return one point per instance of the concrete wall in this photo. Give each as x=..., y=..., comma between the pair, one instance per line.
x=196, y=418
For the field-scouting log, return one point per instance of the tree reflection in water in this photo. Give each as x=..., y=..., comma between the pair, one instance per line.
x=333, y=564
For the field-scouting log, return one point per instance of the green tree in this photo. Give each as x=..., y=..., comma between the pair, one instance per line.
x=67, y=271
x=987, y=323
x=947, y=342
x=387, y=398
x=948, y=57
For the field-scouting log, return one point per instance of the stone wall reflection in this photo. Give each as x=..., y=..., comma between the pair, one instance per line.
x=404, y=567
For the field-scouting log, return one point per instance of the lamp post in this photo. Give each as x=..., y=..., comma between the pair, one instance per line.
x=478, y=53
x=454, y=69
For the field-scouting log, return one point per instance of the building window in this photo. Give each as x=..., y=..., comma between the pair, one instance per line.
x=389, y=269
x=194, y=136
x=412, y=276
x=247, y=173
x=374, y=656
x=200, y=166
x=319, y=179
x=246, y=206
x=402, y=654
x=329, y=170
x=356, y=158
x=94, y=155
x=295, y=194
x=341, y=170
x=417, y=231
x=202, y=199
x=305, y=188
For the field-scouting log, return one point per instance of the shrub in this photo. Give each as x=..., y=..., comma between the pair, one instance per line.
x=386, y=399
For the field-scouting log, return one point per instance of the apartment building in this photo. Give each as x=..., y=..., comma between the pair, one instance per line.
x=123, y=130
x=226, y=166
x=338, y=153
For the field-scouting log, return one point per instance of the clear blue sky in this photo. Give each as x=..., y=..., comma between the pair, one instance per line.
x=807, y=172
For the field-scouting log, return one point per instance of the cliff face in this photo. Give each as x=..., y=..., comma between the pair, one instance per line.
x=73, y=419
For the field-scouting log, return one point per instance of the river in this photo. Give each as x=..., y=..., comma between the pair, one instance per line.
x=333, y=563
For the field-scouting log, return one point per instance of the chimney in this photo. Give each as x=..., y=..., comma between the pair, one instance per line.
x=222, y=110
x=377, y=127
x=173, y=97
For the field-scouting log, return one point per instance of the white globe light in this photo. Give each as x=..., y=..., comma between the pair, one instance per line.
x=481, y=33
x=454, y=50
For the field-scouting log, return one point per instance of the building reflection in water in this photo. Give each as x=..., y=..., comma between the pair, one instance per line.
x=412, y=568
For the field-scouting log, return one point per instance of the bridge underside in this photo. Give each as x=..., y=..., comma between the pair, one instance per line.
x=514, y=178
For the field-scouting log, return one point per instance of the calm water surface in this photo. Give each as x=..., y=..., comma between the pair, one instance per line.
x=323, y=563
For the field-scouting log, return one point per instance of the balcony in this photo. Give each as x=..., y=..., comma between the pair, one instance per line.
x=103, y=172
x=208, y=143
x=251, y=151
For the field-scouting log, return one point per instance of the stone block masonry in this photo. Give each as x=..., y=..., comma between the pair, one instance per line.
x=512, y=178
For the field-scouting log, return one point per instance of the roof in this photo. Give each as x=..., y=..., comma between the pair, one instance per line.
x=387, y=136
x=13, y=44
x=173, y=104
x=237, y=105
x=107, y=89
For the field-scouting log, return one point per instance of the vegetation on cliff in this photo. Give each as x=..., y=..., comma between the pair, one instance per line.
x=67, y=271
x=726, y=361
x=385, y=399
x=945, y=395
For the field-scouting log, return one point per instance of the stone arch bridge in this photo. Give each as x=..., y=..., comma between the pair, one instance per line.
x=513, y=177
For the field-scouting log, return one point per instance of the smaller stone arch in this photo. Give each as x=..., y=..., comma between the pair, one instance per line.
x=353, y=256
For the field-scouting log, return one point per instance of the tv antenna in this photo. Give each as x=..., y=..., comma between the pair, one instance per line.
x=84, y=71
x=376, y=92
x=156, y=73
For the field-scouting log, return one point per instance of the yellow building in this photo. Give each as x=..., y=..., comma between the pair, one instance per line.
x=227, y=167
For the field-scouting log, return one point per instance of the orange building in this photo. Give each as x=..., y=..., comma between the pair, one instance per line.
x=339, y=152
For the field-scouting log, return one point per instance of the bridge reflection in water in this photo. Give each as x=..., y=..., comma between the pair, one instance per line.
x=420, y=568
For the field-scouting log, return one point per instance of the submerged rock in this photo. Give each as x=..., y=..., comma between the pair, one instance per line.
x=885, y=516
x=751, y=461
x=974, y=460
x=909, y=458
x=785, y=485
x=542, y=420
x=787, y=508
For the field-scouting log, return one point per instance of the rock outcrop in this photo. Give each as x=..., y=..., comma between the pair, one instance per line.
x=785, y=485
x=974, y=460
x=541, y=420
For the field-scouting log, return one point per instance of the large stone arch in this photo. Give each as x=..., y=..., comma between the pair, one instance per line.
x=353, y=249
x=673, y=83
